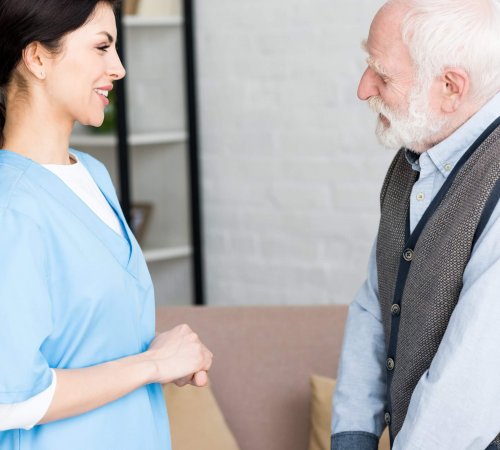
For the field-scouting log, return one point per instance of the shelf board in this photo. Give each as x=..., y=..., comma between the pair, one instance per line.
x=152, y=21
x=166, y=253
x=110, y=140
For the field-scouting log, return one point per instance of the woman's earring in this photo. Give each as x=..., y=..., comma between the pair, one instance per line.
x=42, y=74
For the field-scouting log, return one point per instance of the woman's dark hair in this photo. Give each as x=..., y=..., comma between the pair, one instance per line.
x=46, y=21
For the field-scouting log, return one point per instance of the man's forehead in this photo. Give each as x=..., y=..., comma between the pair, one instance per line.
x=385, y=29
x=385, y=42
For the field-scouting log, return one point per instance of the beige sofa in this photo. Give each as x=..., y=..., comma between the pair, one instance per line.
x=264, y=357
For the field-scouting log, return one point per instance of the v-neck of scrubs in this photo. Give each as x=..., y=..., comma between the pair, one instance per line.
x=121, y=247
x=81, y=182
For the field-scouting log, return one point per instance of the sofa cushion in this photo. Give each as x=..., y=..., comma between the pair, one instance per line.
x=322, y=389
x=321, y=404
x=196, y=421
x=263, y=359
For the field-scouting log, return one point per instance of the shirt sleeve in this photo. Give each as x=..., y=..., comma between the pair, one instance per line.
x=360, y=395
x=25, y=308
x=28, y=413
x=455, y=403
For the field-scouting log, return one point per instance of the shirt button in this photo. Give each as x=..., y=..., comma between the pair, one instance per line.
x=387, y=418
x=390, y=364
x=395, y=310
x=420, y=196
x=448, y=167
x=408, y=254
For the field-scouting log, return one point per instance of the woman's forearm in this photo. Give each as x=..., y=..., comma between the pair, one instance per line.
x=176, y=355
x=82, y=390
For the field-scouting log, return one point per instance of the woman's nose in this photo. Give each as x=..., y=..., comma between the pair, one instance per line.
x=116, y=70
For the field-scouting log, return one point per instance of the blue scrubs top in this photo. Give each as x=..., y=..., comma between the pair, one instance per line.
x=73, y=293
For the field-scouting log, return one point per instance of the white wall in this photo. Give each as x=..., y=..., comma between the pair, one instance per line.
x=291, y=168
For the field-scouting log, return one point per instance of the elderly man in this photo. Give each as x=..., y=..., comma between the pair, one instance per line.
x=421, y=350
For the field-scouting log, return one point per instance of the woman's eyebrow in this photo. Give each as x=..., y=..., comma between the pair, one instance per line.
x=110, y=38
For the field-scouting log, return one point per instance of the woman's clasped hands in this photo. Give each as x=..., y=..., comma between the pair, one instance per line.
x=180, y=357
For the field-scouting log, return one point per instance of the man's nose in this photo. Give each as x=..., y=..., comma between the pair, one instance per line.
x=368, y=86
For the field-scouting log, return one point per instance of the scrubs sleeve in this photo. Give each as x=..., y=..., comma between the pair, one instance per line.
x=25, y=308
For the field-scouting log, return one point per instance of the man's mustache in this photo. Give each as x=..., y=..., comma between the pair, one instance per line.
x=377, y=105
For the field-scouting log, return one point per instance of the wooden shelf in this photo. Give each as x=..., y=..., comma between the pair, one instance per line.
x=166, y=253
x=110, y=140
x=152, y=21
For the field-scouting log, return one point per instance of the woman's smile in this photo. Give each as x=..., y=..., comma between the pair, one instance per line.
x=103, y=93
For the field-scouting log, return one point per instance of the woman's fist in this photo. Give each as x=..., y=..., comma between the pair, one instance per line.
x=180, y=356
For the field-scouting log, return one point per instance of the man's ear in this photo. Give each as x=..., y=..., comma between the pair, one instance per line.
x=455, y=86
x=36, y=60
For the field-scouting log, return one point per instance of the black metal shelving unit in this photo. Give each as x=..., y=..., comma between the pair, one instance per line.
x=122, y=128
x=193, y=144
x=194, y=169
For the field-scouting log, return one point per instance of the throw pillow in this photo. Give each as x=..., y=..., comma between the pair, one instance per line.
x=322, y=389
x=196, y=421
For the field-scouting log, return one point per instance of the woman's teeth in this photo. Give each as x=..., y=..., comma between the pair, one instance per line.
x=100, y=91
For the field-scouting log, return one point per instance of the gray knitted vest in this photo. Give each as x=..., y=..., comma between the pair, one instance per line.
x=420, y=275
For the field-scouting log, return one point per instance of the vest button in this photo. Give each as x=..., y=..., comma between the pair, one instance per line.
x=408, y=254
x=390, y=364
x=395, y=310
x=387, y=418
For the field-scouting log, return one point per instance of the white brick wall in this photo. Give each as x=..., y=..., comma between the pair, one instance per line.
x=291, y=168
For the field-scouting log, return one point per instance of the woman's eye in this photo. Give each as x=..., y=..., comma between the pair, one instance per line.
x=103, y=48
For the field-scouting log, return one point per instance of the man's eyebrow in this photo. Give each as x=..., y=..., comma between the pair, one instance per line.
x=110, y=38
x=372, y=62
x=376, y=66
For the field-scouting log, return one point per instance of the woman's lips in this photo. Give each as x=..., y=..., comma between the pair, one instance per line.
x=104, y=99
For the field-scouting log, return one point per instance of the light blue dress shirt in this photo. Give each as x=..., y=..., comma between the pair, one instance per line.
x=73, y=294
x=456, y=403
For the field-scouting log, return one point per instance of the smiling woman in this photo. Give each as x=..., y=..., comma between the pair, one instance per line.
x=77, y=338
x=72, y=73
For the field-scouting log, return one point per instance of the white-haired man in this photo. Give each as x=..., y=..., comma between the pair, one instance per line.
x=421, y=349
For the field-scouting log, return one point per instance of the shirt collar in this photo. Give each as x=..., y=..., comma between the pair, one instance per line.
x=447, y=153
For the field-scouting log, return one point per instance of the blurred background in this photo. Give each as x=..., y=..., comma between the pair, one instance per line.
x=253, y=172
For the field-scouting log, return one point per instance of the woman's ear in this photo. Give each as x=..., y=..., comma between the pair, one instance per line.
x=455, y=85
x=36, y=60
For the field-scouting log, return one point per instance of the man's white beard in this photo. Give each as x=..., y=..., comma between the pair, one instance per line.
x=412, y=129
